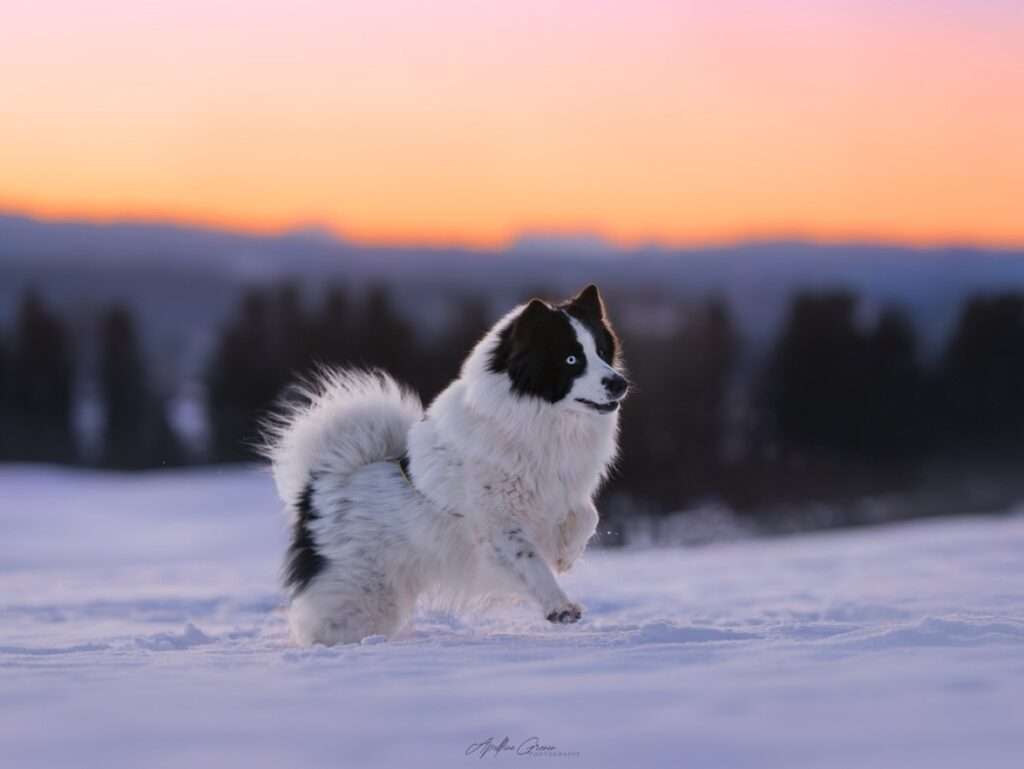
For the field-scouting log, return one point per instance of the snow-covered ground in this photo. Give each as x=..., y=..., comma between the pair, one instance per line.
x=140, y=626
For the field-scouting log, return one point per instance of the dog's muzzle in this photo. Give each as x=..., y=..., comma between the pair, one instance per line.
x=616, y=386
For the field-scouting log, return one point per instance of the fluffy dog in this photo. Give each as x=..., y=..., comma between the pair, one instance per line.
x=490, y=490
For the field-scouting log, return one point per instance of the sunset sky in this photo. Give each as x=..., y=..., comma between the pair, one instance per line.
x=470, y=121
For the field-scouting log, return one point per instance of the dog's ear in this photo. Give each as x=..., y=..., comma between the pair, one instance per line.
x=533, y=316
x=588, y=302
x=536, y=307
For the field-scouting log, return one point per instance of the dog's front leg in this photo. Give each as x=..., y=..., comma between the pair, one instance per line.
x=514, y=554
x=574, y=533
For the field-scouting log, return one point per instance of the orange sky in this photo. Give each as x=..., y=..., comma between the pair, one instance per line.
x=470, y=121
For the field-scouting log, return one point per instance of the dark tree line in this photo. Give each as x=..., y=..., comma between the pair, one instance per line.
x=841, y=404
x=274, y=341
x=835, y=387
x=838, y=387
x=674, y=425
x=37, y=394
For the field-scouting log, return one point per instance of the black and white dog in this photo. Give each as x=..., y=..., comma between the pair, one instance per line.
x=490, y=490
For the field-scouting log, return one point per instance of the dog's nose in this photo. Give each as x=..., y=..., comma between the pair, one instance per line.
x=616, y=385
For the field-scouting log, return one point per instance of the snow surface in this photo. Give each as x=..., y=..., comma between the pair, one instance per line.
x=141, y=626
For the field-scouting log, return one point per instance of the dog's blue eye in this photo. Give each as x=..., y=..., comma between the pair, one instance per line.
x=571, y=360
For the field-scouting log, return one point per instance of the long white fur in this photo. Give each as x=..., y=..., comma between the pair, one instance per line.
x=501, y=494
x=340, y=422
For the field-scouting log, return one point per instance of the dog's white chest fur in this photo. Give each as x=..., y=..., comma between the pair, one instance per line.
x=532, y=469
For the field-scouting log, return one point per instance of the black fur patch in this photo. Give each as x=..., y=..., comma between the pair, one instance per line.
x=534, y=350
x=588, y=309
x=403, y=465
x=303, y=561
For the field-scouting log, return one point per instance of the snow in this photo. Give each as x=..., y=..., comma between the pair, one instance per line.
x=141, y=626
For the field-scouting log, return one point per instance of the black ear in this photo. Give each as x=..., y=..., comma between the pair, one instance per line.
x=532, y=316
x=536, y=307
x=588, y=302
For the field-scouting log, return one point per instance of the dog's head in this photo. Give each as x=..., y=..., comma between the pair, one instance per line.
x=564, y=354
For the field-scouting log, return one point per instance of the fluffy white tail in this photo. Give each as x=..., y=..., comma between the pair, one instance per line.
x=340, y=421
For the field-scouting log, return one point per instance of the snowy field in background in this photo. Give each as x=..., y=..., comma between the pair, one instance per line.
x=140, y=626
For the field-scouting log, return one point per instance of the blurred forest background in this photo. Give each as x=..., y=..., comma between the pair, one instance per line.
x=847, y=409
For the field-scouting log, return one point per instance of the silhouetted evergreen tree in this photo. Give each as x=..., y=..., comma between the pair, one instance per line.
x=702, y=373
x=896, y=396
x=292, y=331
x=137, y=433
x=468, y=324
x=818, y=375
x=335, y=331
x=982, y=376
x=388, y=340
x=245, y=376
x=42, y=373
x=5, y=398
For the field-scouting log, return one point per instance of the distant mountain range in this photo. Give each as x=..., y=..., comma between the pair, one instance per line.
x=184, y=280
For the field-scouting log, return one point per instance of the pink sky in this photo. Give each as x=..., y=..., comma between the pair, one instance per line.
x=471, y=121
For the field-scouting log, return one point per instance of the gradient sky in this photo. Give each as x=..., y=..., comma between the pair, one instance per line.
x=470, y=121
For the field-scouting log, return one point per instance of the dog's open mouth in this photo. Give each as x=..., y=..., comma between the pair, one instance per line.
x=603, y=408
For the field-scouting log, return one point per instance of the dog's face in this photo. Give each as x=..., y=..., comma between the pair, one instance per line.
x=566, y=355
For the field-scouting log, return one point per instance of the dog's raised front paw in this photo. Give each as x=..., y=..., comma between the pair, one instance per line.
x=569, y=613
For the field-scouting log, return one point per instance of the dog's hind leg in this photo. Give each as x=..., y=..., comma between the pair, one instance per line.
x=327, y=617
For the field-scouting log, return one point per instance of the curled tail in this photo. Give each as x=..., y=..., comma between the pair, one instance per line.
x=340, y=421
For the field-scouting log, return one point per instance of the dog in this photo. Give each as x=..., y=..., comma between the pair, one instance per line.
x=488, y=491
